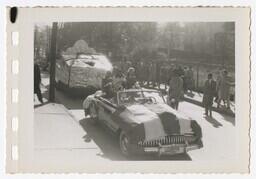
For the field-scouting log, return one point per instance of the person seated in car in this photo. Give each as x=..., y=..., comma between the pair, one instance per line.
x=107, y=85
x=118, y=79
x=130, y=78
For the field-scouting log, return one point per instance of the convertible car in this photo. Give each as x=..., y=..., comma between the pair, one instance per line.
x=144, y=122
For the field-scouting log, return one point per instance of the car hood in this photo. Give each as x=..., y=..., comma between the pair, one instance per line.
x=153, y=121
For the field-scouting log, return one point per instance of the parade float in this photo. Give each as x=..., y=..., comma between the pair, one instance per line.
x=79, y=70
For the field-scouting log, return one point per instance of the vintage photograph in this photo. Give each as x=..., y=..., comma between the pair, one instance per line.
x=135, y=91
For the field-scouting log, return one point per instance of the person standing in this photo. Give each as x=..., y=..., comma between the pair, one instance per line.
x=130, y=78
x=170, y=73
x=139, y=72
x=175, y=90
x=37, y=82
x=164, y=75
x=190, y=79
x=185, y=80
x=219, y=76
x=209, y=93
x=157, y=77
x=153, y=74
x=118, y=80
x=224, y=89
x=146, y=72
x=180, y=71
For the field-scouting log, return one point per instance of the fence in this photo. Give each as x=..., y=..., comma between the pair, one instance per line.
x=200, y=72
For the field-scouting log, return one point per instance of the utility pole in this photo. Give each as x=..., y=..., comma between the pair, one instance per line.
x=53, y=61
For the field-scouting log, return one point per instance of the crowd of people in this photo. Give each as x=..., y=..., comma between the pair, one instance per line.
x=219, y=89
x=180, y=81
x=116, y=80
x=153, y=74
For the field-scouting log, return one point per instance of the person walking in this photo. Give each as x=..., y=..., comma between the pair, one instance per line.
x=139, y=72
x=209, y=93
x=37, y=82
x=175, y=90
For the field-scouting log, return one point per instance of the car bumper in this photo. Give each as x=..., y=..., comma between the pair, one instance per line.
x=171, y=149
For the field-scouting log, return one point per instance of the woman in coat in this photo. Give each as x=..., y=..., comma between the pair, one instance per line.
x=224, y=89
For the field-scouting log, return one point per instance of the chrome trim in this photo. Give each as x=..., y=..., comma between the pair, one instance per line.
x=160, y=148
x=167, y=140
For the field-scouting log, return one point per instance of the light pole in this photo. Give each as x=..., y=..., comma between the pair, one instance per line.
x=53, y=62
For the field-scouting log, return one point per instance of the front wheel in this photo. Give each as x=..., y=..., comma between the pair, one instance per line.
x=124, y=144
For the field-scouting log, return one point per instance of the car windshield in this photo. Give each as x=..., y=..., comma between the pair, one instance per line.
x=139, y=97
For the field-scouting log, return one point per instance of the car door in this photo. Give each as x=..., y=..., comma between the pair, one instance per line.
x=106, y=112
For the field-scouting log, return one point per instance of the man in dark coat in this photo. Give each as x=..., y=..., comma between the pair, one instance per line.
x=175, y=90
x=209, y=93
x=37, y=82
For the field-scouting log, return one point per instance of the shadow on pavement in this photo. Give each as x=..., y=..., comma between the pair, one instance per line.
x=232, y=120
x=68, y=101
x=105, y=141
x=61, y=97
x=39, y=105
x=109, y=145
x=213, y=121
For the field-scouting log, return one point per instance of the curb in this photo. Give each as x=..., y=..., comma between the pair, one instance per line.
x=219, y=110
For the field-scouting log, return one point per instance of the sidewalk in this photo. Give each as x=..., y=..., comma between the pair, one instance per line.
x=197, y=98
x=58, y=134
x=56, y=128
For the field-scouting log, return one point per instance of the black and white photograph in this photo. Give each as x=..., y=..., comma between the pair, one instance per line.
x=129, y=90
x=135, y=90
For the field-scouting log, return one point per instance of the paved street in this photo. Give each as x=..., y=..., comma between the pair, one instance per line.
x=69, y=133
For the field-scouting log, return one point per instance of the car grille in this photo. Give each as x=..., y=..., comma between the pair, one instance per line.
x=168, y=140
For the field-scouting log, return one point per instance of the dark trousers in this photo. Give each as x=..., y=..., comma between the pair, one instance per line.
x=38, y=93
x=208, y=110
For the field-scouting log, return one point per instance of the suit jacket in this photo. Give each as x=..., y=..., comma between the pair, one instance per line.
x=210, y=88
